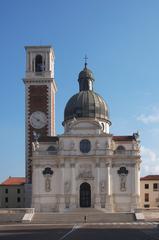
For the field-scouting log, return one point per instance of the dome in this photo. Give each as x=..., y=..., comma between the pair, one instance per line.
x=85, y=73
x=86, y=103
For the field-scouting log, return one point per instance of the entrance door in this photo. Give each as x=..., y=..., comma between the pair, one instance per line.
x=85, y=195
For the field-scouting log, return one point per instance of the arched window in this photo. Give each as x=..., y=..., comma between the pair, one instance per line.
x=39, y=63
x=103, y=126
x=120, y=149
x=51, y=149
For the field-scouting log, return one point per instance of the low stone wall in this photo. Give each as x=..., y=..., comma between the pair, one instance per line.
x=16, y=210
x=149, y=214
x=8, y=215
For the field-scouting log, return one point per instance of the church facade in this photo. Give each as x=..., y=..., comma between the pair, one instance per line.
x=86, y=166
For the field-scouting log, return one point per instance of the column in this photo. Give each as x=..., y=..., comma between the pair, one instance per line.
x=97, y=203
x=62, y=196
x=73, y=181
x=137, y=185
x=109, y=206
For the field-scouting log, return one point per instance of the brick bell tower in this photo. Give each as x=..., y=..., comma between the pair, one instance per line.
x=40, y=89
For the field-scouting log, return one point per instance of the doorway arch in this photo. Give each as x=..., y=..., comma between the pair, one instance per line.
x=85, y=195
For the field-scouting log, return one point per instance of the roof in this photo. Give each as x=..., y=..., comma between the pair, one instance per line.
x=86, y=104
x=150, y=177
x=48, y=139
x=40, y=46
x=14, y=181
x=123, y=138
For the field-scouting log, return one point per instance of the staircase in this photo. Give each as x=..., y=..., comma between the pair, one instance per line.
x=78, y=216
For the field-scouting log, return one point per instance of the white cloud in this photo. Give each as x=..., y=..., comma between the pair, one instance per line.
x=151, y=118
x=148, y=154
x=150, y=162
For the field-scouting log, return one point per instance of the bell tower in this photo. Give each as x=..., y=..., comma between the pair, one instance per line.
x=40, y=89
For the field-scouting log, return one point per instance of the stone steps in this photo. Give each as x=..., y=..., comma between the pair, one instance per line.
x=77, y=216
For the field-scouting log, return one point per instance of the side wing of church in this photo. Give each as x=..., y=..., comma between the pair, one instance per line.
x=86, y=166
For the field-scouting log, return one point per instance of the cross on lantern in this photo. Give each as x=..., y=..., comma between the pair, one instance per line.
x=85, y=58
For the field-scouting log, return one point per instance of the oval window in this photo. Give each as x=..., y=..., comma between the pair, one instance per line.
x=85, y=146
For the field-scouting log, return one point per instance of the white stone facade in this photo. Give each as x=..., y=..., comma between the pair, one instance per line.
x=86, y=166
x=112, y=175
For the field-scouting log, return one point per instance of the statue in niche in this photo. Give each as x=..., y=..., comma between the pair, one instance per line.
x=102, y=186
x=123, y=172
x=123, y=182
x=47, y=172
x=48, y=184
x=67, y=187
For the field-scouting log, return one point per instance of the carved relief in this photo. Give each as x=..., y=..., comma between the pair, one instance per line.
x=85, y=171
x=67, y=187
x=102, y=186
x=97, y=144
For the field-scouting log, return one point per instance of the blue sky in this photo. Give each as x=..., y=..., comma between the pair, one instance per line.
x=121, y=40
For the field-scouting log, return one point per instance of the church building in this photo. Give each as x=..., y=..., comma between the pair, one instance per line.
x=86, y=166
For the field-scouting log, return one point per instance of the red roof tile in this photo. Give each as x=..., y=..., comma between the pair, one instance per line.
x=150, y=177
x=14, y=181
x=123, y=138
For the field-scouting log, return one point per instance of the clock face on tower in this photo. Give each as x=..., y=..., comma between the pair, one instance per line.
x=38, y=119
